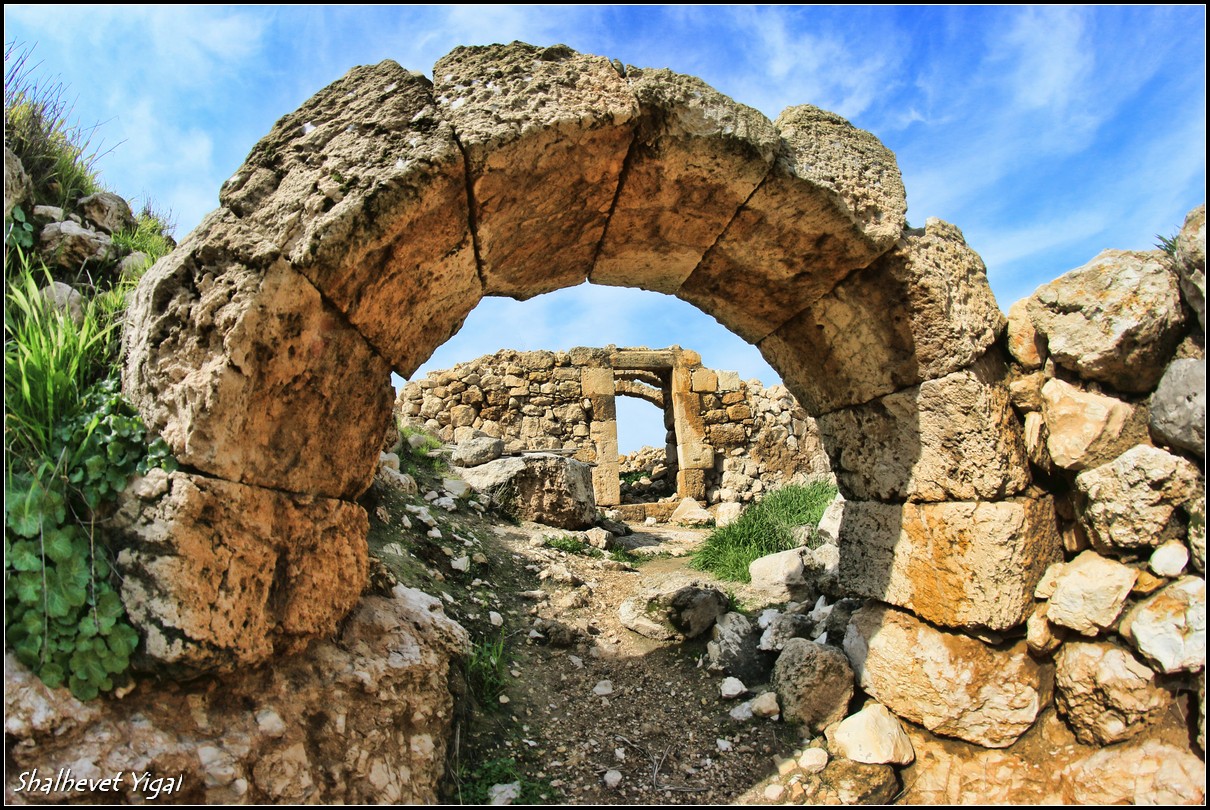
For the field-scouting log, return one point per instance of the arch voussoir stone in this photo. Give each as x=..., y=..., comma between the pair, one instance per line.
x=545, y=132
x=796, y=237
x=364, y=190
x=697, y=156
x=248, y=374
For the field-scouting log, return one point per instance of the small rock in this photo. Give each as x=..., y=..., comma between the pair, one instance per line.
x=774, y=792
x=765, y=705
x=732, y=688
x=461, y=564
x=503, y=793
x=786, y=766
x=602, y=689
x=742, y=712
x=1089, y=593
x=1169, y=627
x=495, y=618
x=813, y=760
x=613, y=778
x=873, y=736
x=690, y=513
x=1170, y=559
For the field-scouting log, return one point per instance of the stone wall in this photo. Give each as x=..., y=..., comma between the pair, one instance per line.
x=727, y=440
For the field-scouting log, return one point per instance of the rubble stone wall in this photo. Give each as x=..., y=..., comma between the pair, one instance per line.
x=751, y=438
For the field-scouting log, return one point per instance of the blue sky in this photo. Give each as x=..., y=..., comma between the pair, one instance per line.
x=1046, y=134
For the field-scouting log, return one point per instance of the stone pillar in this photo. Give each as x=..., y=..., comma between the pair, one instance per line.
x=597, y=386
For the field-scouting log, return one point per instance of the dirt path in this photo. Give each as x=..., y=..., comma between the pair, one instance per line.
x=586, y=696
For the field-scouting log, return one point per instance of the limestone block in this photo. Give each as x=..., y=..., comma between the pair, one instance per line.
x=872, y=735
x=833, y=202
x=778, y=577
x=1154, y=773
x=691, y=513
x=107, y=212
x=813, y=682
x=377, y=222
x=1089, y=593
x=247, y=373
x=1024, y=343
x=1178, y=406
x=1115, y=320
x=476, y=450
x=697, y=155
x=217, y=575
x=1134, y=501
x=541, y=487
x=1169, y=627
x=1191, y=262
x=677, y=608
x=1086, y=429
x=952, y=438
x=66, y=244
x=250, y=736
x=949, y=683
x=1105, y=693
x=704, y=380
x=545, y=132
x=920, y=312
x=955, y=564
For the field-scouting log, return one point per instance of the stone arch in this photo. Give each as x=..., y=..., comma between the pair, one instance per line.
x=367, y=224
x=640, y=389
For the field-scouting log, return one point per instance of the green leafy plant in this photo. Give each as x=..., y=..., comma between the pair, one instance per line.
x=18, y=230
x=1167, y=244
x=151, y=236
x=764, y=528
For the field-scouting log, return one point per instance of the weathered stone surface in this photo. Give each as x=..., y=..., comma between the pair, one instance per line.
x=1051, y=767
x=69, y=245
x=920, y=312
x=1086, y=429
x=949, y=683
x=813, y=682
x=545, y=132
x=308, y=729
x=677, y=608
x=1105, y=693
x=778, y=577
x=733, y=649
x=541, y=487
x=783, y=628
x=18, y=188
x=833, y=202
x=1178, y=406
x=1042, y=637
x=1191, y=261
x=247, y=373
x=1134, y=501
x=217, y=575
x=363, y=188
x=1169, y=627
x=952, y=438
x=106, y=212
x=62, y=297
x=691, y=513
x=1090, y=593
x=1115, y=320
x=476, y=450
x=955, y=564
x=1023, y=342
x=872, y=735
x=697, y=155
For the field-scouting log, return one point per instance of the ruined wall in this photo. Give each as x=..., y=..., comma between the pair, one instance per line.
x=740, y=437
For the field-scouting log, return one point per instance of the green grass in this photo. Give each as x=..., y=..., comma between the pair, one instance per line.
x=567, y=544
x=56, y=151
x=152, y=235
x=765, y=527
x=474, y=784
x=487, y=672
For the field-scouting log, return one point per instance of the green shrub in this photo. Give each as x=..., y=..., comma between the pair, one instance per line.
x=486, y=672
x=152, y=235
x=475, y=783
x=765, y=527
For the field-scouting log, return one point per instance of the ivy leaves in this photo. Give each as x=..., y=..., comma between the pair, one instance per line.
x=63, y=617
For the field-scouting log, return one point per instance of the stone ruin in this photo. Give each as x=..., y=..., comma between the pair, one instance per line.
x=1014, y=514
x=727, y=440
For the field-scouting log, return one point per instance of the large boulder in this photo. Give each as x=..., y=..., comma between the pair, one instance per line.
x=814, y=683
x=1133, y=502
x=1191, y=261
x=947, y=682
x=733, y=649
x=107, y=212
x=1106, y=694
x=1116, y=320
x=541, y=487
x=1178, y=406
x=778, y=577
x=676, y=608
x=309, y=729
x=475, y=450
x=69, y=245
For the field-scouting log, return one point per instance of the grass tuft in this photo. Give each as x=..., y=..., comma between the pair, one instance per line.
x=765, y=527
